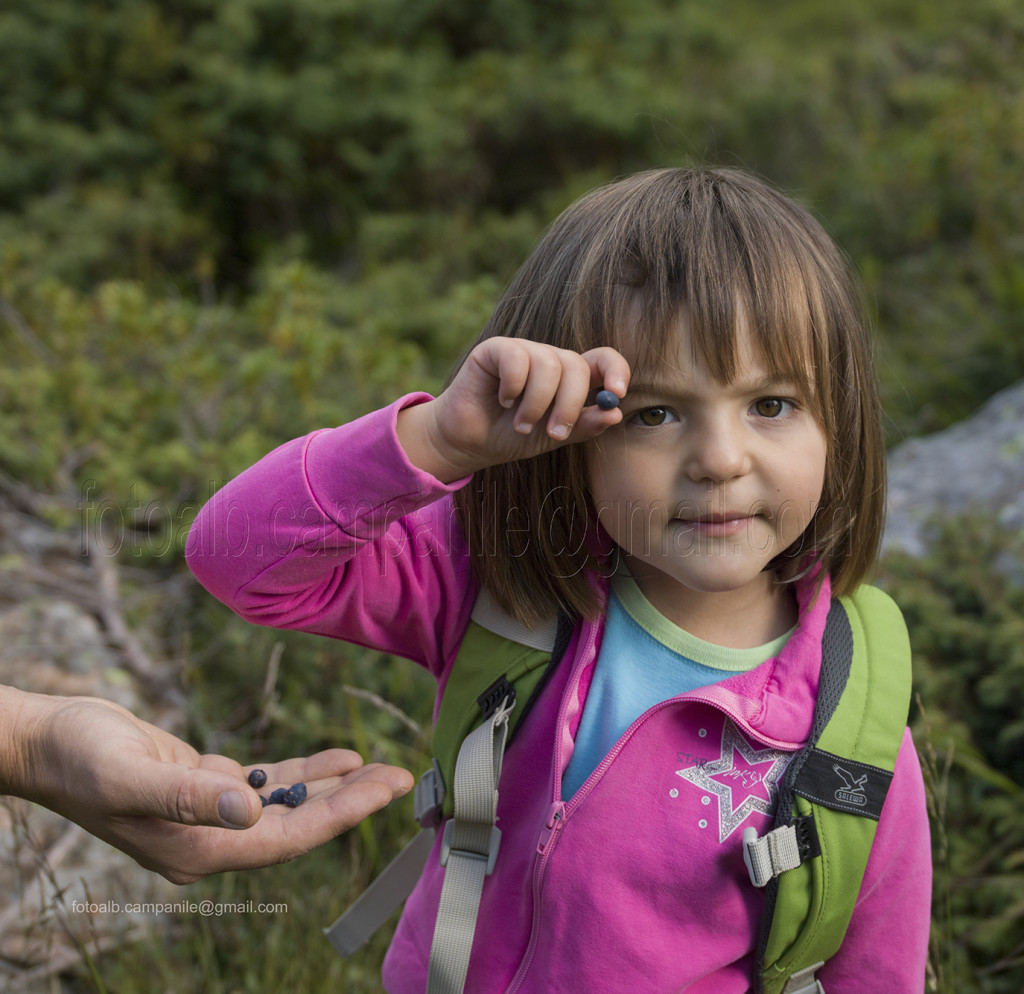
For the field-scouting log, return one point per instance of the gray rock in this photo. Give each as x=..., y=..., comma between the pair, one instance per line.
x=61, y=888
x=975, y=466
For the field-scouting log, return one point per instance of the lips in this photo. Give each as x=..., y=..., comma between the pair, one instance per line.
x=718, y=519
x=718, y=524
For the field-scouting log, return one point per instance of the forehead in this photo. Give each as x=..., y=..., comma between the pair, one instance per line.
x=731, y=348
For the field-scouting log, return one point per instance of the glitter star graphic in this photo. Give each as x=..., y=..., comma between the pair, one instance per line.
x=740, y=773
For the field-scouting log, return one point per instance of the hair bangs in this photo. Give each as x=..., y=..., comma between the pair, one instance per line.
x=675, y=249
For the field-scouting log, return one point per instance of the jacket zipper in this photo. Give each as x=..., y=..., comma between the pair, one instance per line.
x=560, y=810
x=689, y=697
x=696, y=696
x=552, y=824
x=545, y=843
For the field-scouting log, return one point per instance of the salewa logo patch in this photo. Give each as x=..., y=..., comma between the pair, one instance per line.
x=853, y=790
x=842, y=784
x=743, y=779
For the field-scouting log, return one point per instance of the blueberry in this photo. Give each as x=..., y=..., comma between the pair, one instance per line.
x=263, y=800
x=277, y=796
x=606, y=400
x=295, y=795
x=257, y=778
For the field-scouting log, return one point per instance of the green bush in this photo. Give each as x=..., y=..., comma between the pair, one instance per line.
x=966, y=621
x=190, y=144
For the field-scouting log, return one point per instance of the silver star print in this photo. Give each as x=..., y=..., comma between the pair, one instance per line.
x=725, y=778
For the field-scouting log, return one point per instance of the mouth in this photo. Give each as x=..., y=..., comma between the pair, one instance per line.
x=721, y=524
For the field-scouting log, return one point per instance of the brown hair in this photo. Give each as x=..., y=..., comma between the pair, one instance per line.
x=618, y=268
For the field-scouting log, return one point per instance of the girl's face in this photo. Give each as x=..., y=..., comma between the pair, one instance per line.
x=704, y=483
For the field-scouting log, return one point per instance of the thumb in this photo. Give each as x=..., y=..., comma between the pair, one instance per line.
x=193, y=796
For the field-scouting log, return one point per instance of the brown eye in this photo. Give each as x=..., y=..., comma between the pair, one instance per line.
x=770, y=407
x=652, y=416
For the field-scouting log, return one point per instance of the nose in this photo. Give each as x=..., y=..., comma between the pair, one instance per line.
x=717, y=449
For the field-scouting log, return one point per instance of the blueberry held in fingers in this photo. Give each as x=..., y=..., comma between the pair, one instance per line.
x=606, y=400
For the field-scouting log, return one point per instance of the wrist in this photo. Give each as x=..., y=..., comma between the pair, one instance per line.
x=418, y=436
x=21, y=720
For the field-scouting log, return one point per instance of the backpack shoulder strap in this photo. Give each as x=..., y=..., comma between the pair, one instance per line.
x=493, y=682
x=499, y=657
x=832, y=794
x=499, y=672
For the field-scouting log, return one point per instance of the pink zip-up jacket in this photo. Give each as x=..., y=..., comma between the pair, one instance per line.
x=636, y=882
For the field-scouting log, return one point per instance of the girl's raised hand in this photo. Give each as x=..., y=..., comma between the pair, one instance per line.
x=512, y=399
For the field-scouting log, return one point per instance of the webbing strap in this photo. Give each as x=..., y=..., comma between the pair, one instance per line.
x=468, y=852
x=353, y=929
x=804, y=981
x=355, y=926
x=768, y=856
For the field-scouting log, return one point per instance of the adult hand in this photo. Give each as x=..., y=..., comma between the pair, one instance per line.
x=177, y=812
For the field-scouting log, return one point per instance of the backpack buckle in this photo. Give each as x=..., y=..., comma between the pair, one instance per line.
x=489, y=855
x=804, y=981
x=770, y=855
x=501, y=693
x=428, y=797
x=781, y=849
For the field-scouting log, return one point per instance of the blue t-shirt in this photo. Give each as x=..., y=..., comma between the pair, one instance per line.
x=644, y=660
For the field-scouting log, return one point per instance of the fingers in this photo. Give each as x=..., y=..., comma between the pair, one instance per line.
x=550, y=386
x=319, y=766
x=334, y=806
x=177, y=828
x=556, y=391
x=609, y=370
x=511, y=399
x=196, y=796
x=394, y=779
x=217, y=793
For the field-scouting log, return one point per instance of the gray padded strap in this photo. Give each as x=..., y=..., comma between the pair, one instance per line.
x=468, y=852
x=353, y=929
x=489, y=614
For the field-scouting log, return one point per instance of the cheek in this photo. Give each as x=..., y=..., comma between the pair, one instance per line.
x=818, y=470
x=612, y=490
x=604, y=474
x=605, y=495
x=802, y=491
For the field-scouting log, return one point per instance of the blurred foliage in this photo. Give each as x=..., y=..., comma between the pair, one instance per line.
x=224, y=224
x=964, y=606
x=410, y=154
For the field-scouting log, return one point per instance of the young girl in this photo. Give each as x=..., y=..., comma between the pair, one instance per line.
x=697, y=533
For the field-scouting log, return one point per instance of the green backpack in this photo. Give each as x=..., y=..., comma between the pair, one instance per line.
x=810, y=864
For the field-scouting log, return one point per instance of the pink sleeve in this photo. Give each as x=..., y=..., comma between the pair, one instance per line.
x=337, y=533
x=887, y=943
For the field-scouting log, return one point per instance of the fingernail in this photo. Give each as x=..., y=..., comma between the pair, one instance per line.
x=232, y=809
x=523, y=428
x=560, y=431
